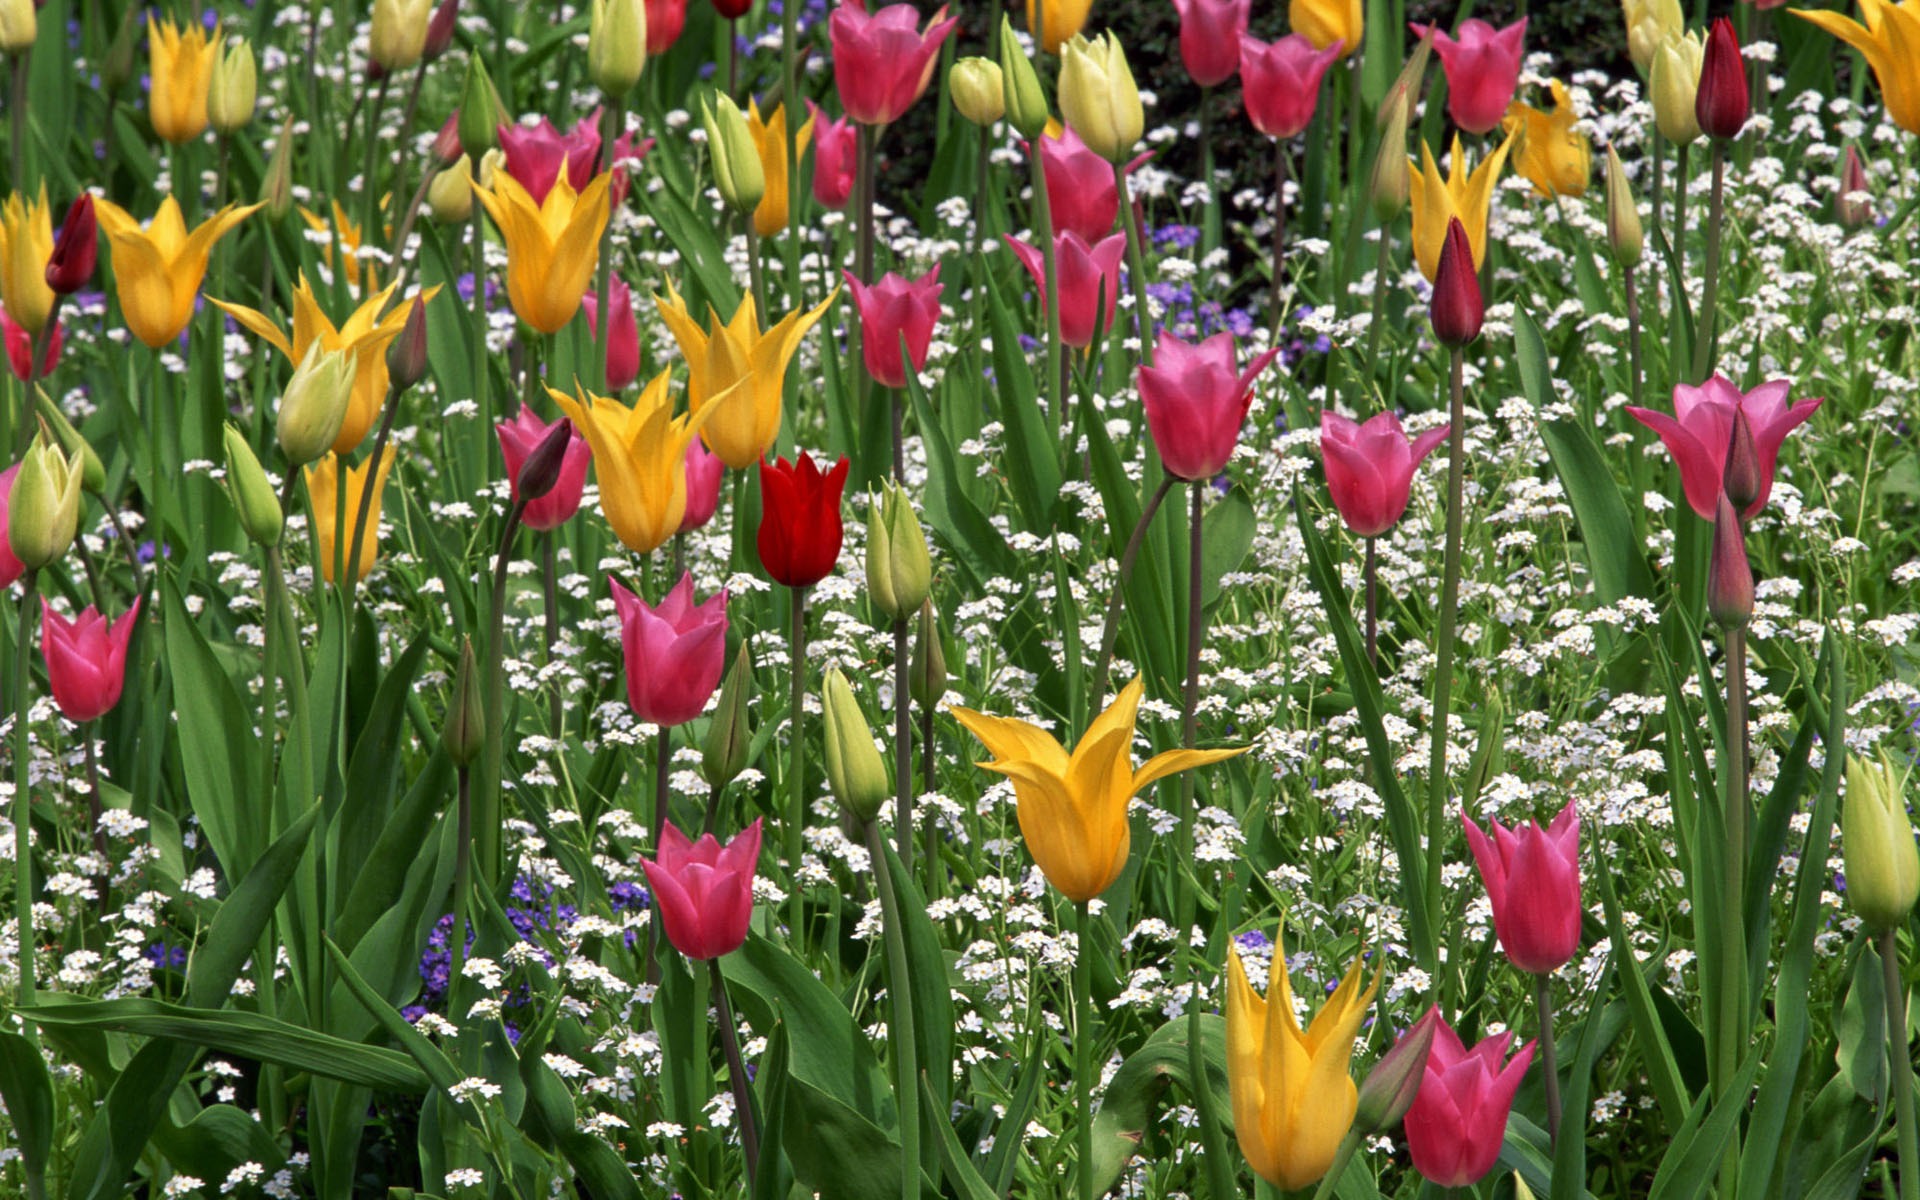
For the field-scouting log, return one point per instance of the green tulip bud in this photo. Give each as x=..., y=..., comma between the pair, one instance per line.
x=315, y=404
x=1624, y=236
x=232, y=93
x=854, y=766
x=464, y=735
x=1391, y=183
x=1877, y=846
x=736, y=159
x=43, y=510
x=899, y=572
x=93, y=475
x=978, y=90
x=252, y=495
x=117, y=69
x=276, y=186
x=927, y=676
x=1026, y=104
x=729, y=741
x=617, y=45
x=481, y=113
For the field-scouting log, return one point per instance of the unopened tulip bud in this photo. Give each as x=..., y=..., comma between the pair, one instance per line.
x=1674, y=83
x=1743, y=478
x=1406, y=85
x=736, y=159
x=854, y=767
x=117, y=69
x=407, y=355
x=1394, y=1081
x=927, y=676
x=1649, y=23
x=276, y=187
x=1456, y=308
x=76, y=248
x=440, y=30
x=617, y=45
x=899, y=571
x=1877, y=846
x=1520, y=1189
x=1853, y=207
x=1722, y=105
x=1391, y=182
x=19, y=26
x=1026, y=104
x=480, y=111
x=314, y=404
x=541, y=472
x=1098, y=97
x=464, y=734
x=43, y=510
x=978, y=91
x=231, y=94
x=446, y=143
x=450, y=195
x=252, y=495
x=1729, y=577
x=1624, y=236
x=729, y=741
x=93, y=472
x=398, y=36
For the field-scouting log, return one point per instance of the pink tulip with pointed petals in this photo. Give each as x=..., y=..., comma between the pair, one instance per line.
x=519, y=438
x=1459, y=1118
x=703, y=891
x=1084, y=274
x=881, y=61
x=623, y=343
x=1280, y=82
x=1081, y=194
x=11, y=568
x=892, y=307
x=835, y=143
x=1196, y=402
x=674, y=653
x=1210, y=38
x=1532, y=877
x=1370, y=468
x=537, y=153
x=704, y=472
x=1482, y=65
x=86, y=659
x=1701, y=428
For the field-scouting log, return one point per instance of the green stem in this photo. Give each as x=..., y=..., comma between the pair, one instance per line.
x=902, y=1036
x=22, y=786
x=462, y=891
x=1190, y=716
x=1110, y=628
x=1373, y=604
x=1733, y=983
x=1633, y=334
x=1902, y=1057
x=1083, y=1047
x=556, y=714
x=1443, y=670
x=902, y=746
x=737, y=1078
x=1280, y=158
x=487, y=818
x=484, y=395
x=1706, y=329
x=1659, y=177
x=1543, y=1004
x=360, y=518
x=929, y=775
x=369, y=194
x=1382, y=263
x=756, y=274
x=1136, y=265
x=610, y=123
x=796, y=757
x=662, y=768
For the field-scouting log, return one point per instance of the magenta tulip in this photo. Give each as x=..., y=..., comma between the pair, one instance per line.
x=702, y=891
x=1701, y=428
x=518, y=438
x=1281, y=82
x=537, y=153
x=890, y=308
x=1196, y=402
x=834, y=145
x=704, y=472
x=86, y=659
x=20, y=349
x=881, y=61
x=1459, y=1118
x=623, y=343
x=1532, y=877
x=1210, y=38
x=1482, y=65
x=674, y=653
x=1084, y=274
x=11, y=568
x=1370, y=468
x=1081, y=194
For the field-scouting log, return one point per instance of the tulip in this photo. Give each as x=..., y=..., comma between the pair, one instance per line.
x=1674, y=83
x=1722, y=104
x=1328, y=23
x=552, y=246
x=1062, y=23
x=1729, y=576
x=314, y=404
x=1088, y=278
x=342, y=229
x=1281, y=82
x=157, y=270
x=182, y=71
x=729, y=742
x=407, y=355
x=1877, y=844
x=1390, y=185
x=769, y=135
x=665, y=20
x=254, y=500
x=398, y=37
x=231, y=95
x=93, y=472
x=1624, y=235
x=639, y=458
x=881, y=62
x=1081, y=193
x=1852, y=205
x=19, y=26
x=927, y=677
x=1196, y=402
x=740, y=366
x=704, y=472
x=1742, y=479
x=1025, y=101
x=1890, y=42
x=440, y=29
x=276, y=185
x=616, y=45
x=979, y=92
x=1390, y=1087
x=1700, y=430
x=1210, y=33
x=890, y=310
x=20, y=348
x=11, y=568
x=1293, y=1099
x=1555, y=156
x=703, y=892
x=539, y=154
x=450, y=195
x=835, y=143
x=737, y=173
x=623, y=338
x=463, y=734
x=1532, y=877
x=1099, y=99
x=1370, y=468
x=518, y=439
x=481, y=113
x=43, y=503
x=1073, y=807
x=1456, y=308
x=1650, y=23
x=540, y=474
x=75, y=248
x=1482, y=66
x=674, y=654
x=86, y=659
x=1459, y=1120
x=800, y=528
x=1465, y=194
x=26, y=246
x=855, y=771
x=899, y=572
x=323, y=478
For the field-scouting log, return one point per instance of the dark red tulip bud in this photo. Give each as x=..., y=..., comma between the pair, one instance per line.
x=1729, y=577
x=407, y=356
x=1394, y=1082
x=1722, y=105
x=76, y=248
x=541, y=472
x=1853, y=182
x=1456, y=309
x=440, y=30
x=1742, y=478
x=446, y=143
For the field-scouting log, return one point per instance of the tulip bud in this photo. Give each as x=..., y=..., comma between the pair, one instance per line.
x=407, y=355
x=276, y=186
x=440, y=30
x=76, y=248
x=19, y=26
x=253, y=497
x=446, y=143
x=43, y=510
x=1456, y=309
x=899, y=572
x=1098, y=97
x=1025, y=103
x=117, y=69
x=1729, y=578
x=1624, y=236
x=541, y=472
x=314, y=404
x=854, y=767
x=481, y=114
x=1406, y=85
x=1742, y=477
x=617, y=46
x=736, y=160
x=464, y=735
x=1674, y=83
x=1851, y=207
x=978, y=91
x=1649, y=23
x=1391, y=182
x=398, y=36
x=450, y=195
x=1394, y=1081
x=1876, y=844
x=231, y=94
x=927, y=676
x=729, y=740
x=1722, y=104
x=1520, y=1189
x=93, y=473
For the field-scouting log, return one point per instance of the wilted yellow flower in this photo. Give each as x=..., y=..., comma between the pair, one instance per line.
x=1550, y=152
x=182, y=70
x=770, y=216
x=1063, y=19
x=1438, y=199
x=639, y=458
x=551, y=247
x=323, y=509
x=1324, y=22
x=26, y=243
x=1890, y=42
x=157, y=270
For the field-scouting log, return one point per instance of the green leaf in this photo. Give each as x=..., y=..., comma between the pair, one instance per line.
x=214, y=735
x=1226, y=532
x=27, y=1089
x=1570, y=1152
x=1032, y=448
x=1132, y=1096
x=954, y=1164
x=1698, y=1147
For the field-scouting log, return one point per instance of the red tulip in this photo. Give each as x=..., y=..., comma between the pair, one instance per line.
x=75, y=249
x=799, y=539
x=1210, y=38
x=1370, y=468
x=705, y=469
x=1483, y=70
x=732, y=10
x=440, y=29
x=1722, y=104
x=890, y=308
x=446, y=143
x=1853, y=203
x=1084, y=273
x=20, y=350
x=674, y=654
x=1196, y=402
x=11, y=568
x=665, y=20
x=1281, y=82
x=86, y=659
x=537, y=153
x=1532, y=877
x=834, y=146
x=882, y=62
x=1701, y=430
x=518, y=438
x=703, y=892
x=1081, y=194
x=623, y=343
x=1459, y=1118
x=1456, y=309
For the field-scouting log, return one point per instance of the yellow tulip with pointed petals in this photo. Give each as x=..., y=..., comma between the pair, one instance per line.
x=1293, y=1096
x=157, y=270
x=1063, y=19
x=1889, y=39
x=1437, y=199
x=323, y=478
x=181, y=73
x=1073, y=807
x=639, y=458
x=1556, y=157
x=769, y=134
x=551, y=247
x=26, y=243
x=1325, y=22
x=743, y=367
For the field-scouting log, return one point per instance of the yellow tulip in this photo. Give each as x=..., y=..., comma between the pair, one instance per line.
x=323, y=506
x=639, y=458
x=1073, y=807
x=1649, y=24
x=740, y=366
x=1550, y=152
x=364, y=336
x=1099, y=98
x=350, y=236
x=157, y=270
x=26, y=243
x=182, y=71
x=551, y=247
x=1293, y=1099
x=1063, y=20
x=1438, y=199
x=1673, y=83
x=770, y=216
x=1890, y=41
x=1324, y=22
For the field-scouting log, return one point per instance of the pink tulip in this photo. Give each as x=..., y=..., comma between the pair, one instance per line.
x=86, y=659
x=20, y=349
x=889, y=309
x=1084, y=273
x=537, y=153
x=1459, y=1118
x=1698, y=434
x=1483, y=69
x=1196, y=403
x=834, y=145
x=518, y=438
x=1281, y=82
x=1081, y=195
x=882, y=62
x=11, y=568
x=623, y=343
x=1532, y=877
x=702, y=891
x=1210, y=38
x=1370, y=468
x=674, y=653
x=704, y=472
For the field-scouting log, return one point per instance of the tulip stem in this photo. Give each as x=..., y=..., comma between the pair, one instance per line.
x=1050, y=279
x=1190, y=716
x=352, y=575
x=462, y=887
x=1449, y=615
x=18, y=72
x=1733, y=976
x=796, y=756
x=1083, y=1045
x=902, y=746
x=929, y=833
x=756, y=276
x=487, y=844
x=863, y=192
x=369, y=195
x=1382, y=263
x=22, y=787
x=610, y=122
x=1136, y=264
x=1682, y=172
x=1373, y=604
x=1902, y=1088
x=406, y=226
x=737, y=1077
x=901, y=1035
x=1705, y=329
x=557, y=713
x=478, y=250
x=1659, y=176
x=1543, y=1004
x=88, y=739
x=662, y=767
x=1110, y=628
x=1634, y=369
x=1279, y=227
